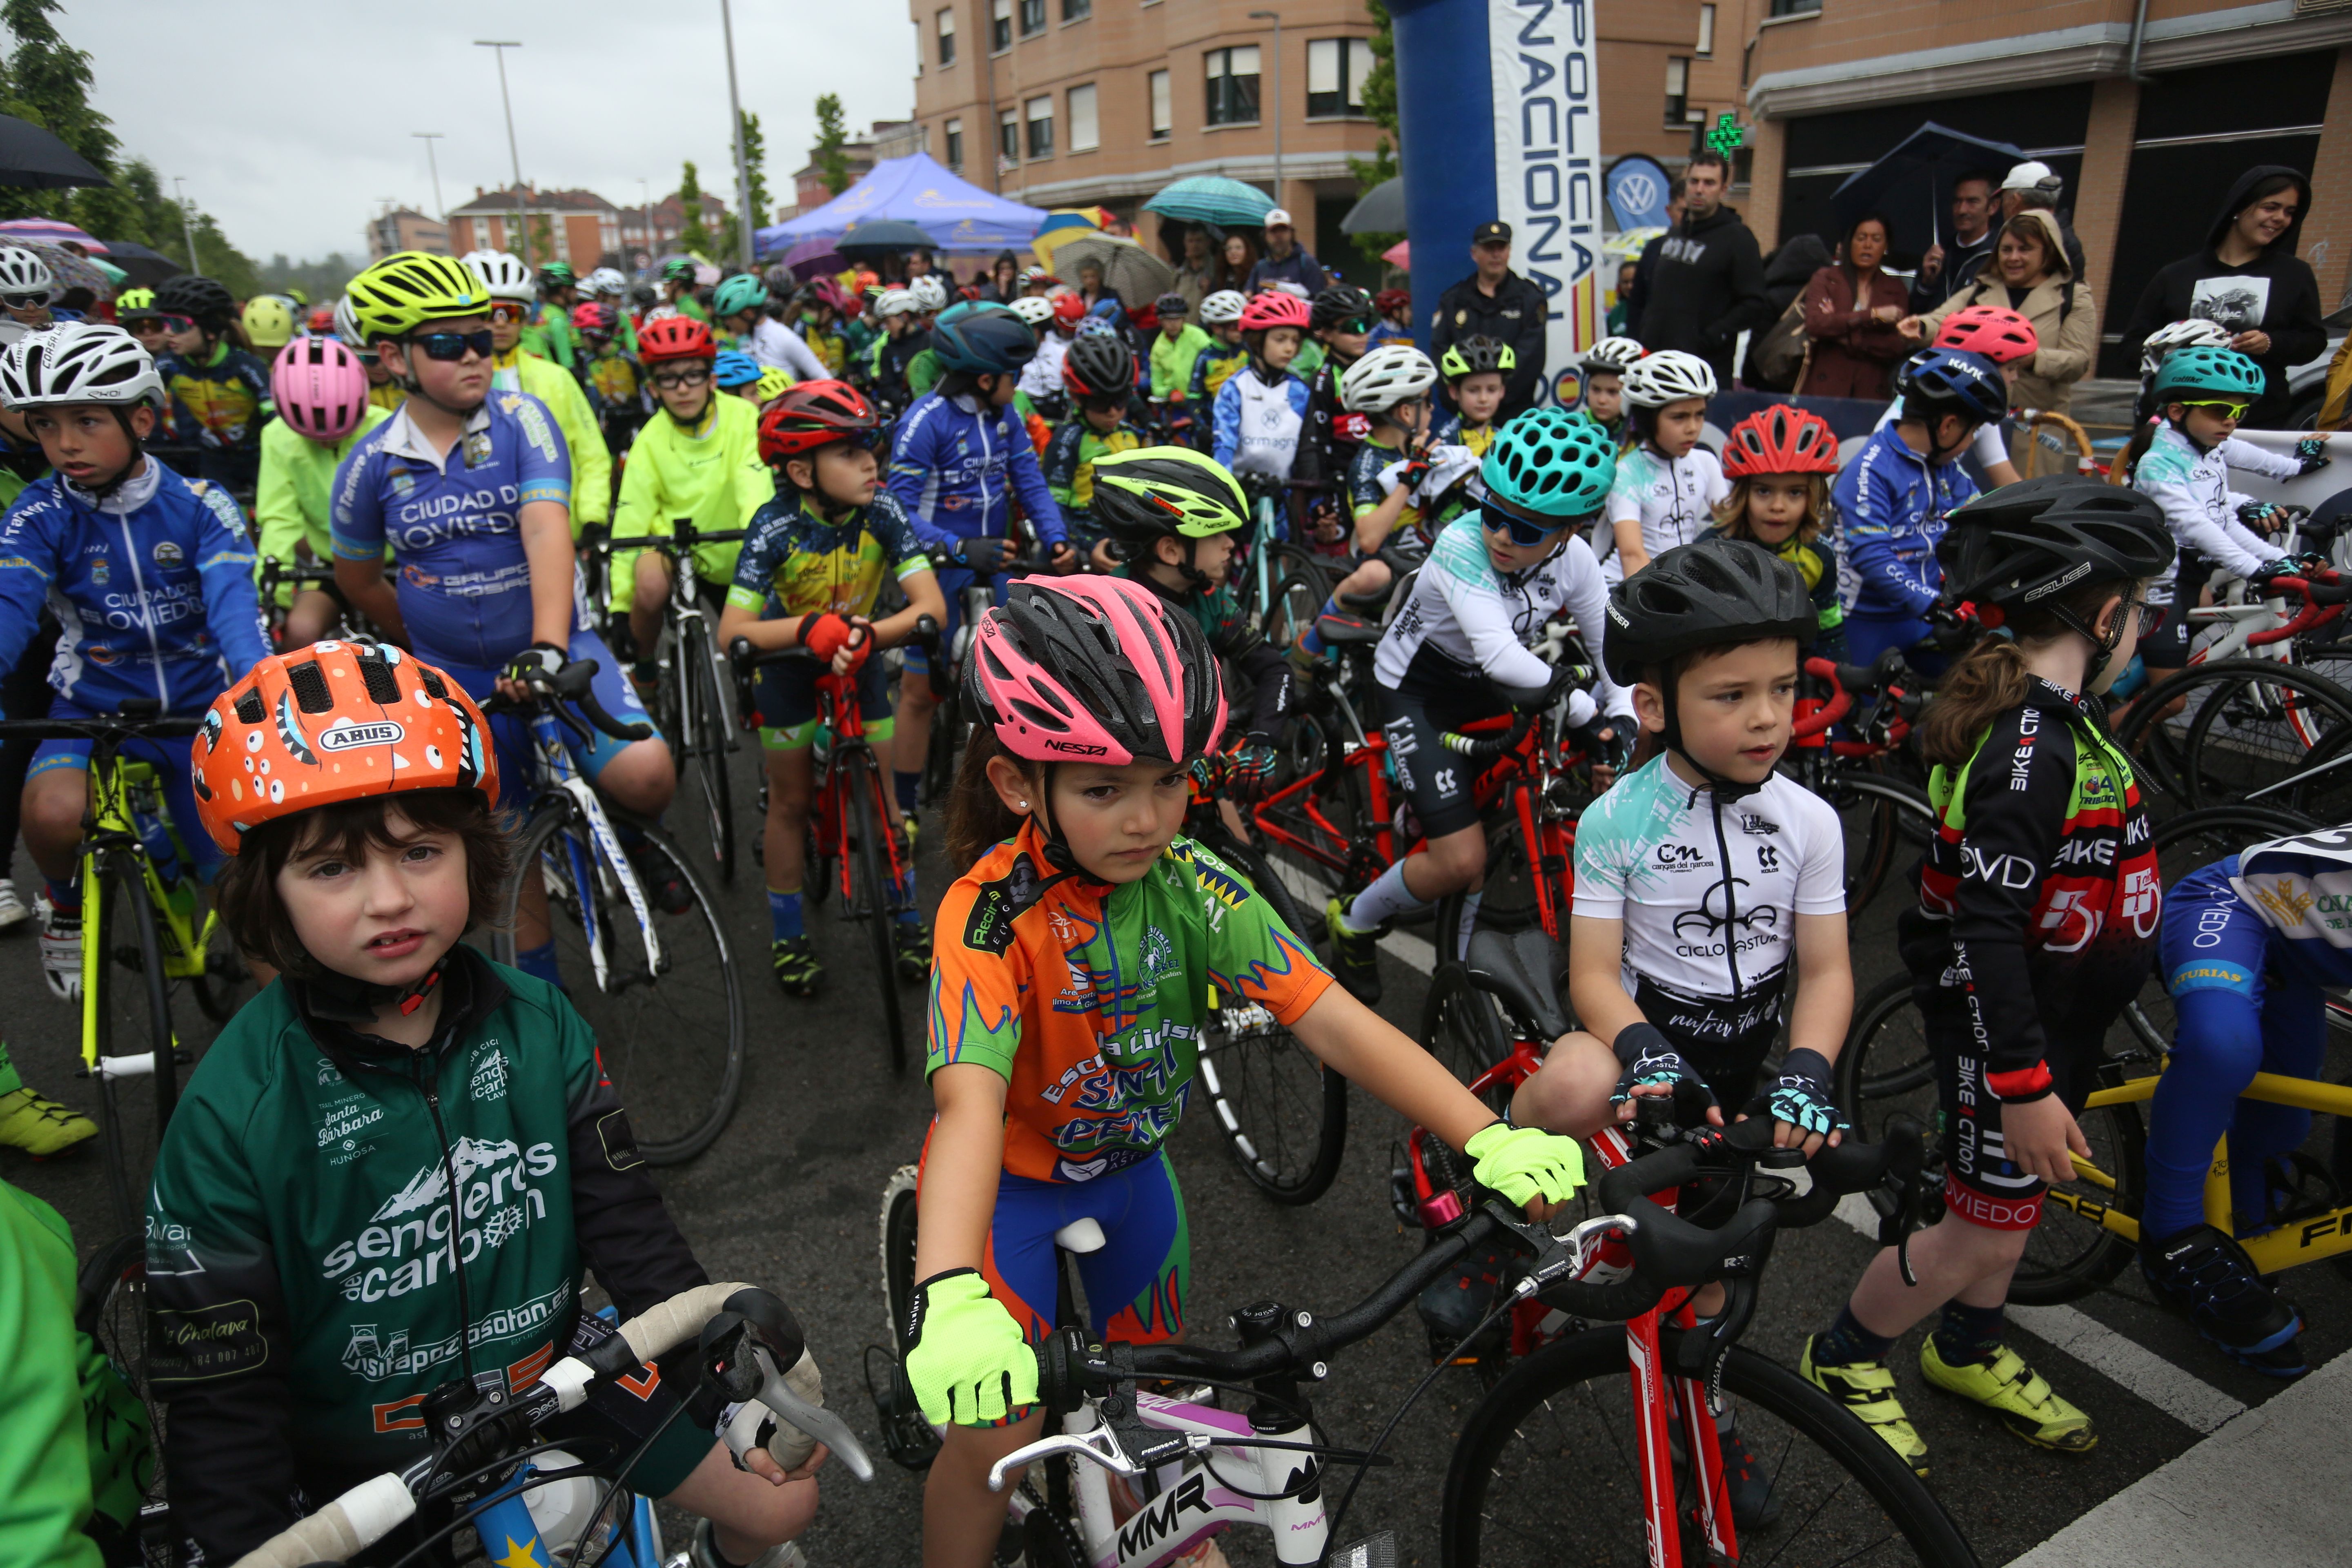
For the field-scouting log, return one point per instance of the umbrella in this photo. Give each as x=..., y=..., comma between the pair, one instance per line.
x=145, y=268
x=1381, y=210
x=1911, y=187
x=32, y=156
x=1066, y=223
x=1399, y=256
x=1128, y=270
x=71, y=272
x=1212, y=198
x=49, y=231
x=883, y=237
x=815, y=258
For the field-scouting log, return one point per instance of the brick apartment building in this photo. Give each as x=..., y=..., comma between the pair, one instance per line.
x=405, y=228
x=581, y=228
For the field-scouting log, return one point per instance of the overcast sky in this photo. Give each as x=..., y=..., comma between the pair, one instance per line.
x=291, y=123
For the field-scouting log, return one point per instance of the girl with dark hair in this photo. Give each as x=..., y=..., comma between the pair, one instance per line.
x=1236, y=259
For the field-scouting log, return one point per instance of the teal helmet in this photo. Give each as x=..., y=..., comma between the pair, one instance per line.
x=1547, y=463
x=964, y=308
x=740, y=293
x=2188, y=374
x=733, y=368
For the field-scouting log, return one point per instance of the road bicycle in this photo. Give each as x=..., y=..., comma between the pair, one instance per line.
x=143, y=940
x=496, y=1472
x=853, y=847
x=691, y=704
x=667, y=1008
x=300, y=576
x=950, y=723
x=1851, y=724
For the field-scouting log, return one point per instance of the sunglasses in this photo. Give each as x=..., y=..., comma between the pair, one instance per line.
x=508, y=312
x=2222, y=410
x=448, y=347
x=1359, y=326
x=24, y=301
x=1524, y=531
x=174, y=323
x=693, y=376
x=2150, y=615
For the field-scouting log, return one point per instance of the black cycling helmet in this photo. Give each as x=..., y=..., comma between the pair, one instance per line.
x=1340, y=302
x=1169, y=305
x=1099, y=365
x=991, y=341
x=1707, y=593
x=200, y=299
x=2021, y=543
x=1470, y=355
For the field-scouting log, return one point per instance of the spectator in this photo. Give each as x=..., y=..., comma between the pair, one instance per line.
x=1850, y=312
x=1496, y=302
x=2032, y=185
x=1003, y=284
x=1708, y=285
x=1946, y=267
x=2335, y=401
x=2028, y=273
x=919, y=264
x=2248, y=277
x=1090, y=283
x=1623, y=302
x=1646, y=267
x=1237, y=260
x=1786, y=273
x=1196, y=279
x=1285, y=261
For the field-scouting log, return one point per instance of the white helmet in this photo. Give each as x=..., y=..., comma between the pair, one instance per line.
x=22, y=272
x=80, y=361
x=347, y=327
x=607, y=281
x=1667, y=376
x=897, y=302
x=929, y=293
x=1612, y=353
x=1384, y=377
x=503, y=276
x=662, y=313
x=1224, y=305
x=1034, y=308
x=2189, y=334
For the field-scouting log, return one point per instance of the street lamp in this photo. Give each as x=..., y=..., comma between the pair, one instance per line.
x=522, y=201
x=187, y=232
x=1275, y=17
x=428, y=138
x=645, y=210
x=735, y=108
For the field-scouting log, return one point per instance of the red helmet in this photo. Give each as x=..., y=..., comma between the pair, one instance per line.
x=1068, y=309
x=1779, y=440
x=674, y=337
x=1388, y=300
x=1996, y=332
x=1274, y=309
x=322, y=319
x=812, y=414
x=593, y=316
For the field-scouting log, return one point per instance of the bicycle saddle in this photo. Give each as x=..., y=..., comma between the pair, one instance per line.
x=1082, y=1235
x=1337, y=630
x=1517, y=967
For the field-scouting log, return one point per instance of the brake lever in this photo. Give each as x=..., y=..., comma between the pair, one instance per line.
x=1098, y=1443
x=813, y=1420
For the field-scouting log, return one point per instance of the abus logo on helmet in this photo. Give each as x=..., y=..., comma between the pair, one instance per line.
x=343, y=737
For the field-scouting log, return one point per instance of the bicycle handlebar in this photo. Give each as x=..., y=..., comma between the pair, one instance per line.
x=571, y=685
x=138, y=718
x=1845, y=680
x=684, y=535
x=2322, y=602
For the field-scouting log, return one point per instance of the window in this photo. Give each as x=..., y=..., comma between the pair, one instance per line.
x=1000, y=25
x=1041, y=127
x=947, y=38
x=1077, y=10
x=1163, y=121
x=1678, y=89
x=1008, y=137
x=1336, y=68
x=1796, y=7
x=1706, y=30
x=954, y=129
x=1083, y=128
x=1232, y=86
x=1033, y=17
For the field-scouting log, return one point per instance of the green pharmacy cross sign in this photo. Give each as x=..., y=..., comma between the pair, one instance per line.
x=1726, y=138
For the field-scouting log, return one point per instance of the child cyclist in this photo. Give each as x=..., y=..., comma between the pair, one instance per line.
x=1668, y=486
x=1224, y=353
x=1386, y=388
x=152, y=576
x=356, y=874
x=2007, y=339
x=1779, y=461
x=1099, y=371
x=324, y=411
x=518, y=368
x=1704, y=880
x=2038, y=911
x=1454, y=653
x=1605, y=364
x=1478, y=372
x=1050, y=1111
x=809, y=576
x=1262, y=407
x=219, y=393
x=1341, y=318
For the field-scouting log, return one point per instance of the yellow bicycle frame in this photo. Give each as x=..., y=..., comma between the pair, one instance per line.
x=112, y=822
x=2306, y=1241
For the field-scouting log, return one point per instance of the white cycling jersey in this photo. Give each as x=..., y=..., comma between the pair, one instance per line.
x=1042, y=377
x=2200, y=507
x=1463, y=612
x=1673, y=499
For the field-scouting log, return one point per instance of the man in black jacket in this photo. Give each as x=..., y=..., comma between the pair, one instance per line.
x=1947, y=267
x=1494, y=301
x=1710, y=282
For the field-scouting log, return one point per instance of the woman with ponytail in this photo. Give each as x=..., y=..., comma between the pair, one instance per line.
x=2036, y=924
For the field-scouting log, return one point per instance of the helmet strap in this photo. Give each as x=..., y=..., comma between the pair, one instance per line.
x=1722, y=788
x=2103, y=648
x=339, y=998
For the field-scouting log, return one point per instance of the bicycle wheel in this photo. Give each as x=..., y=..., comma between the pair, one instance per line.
x=1888, y=1067
x=111, y=1307
x=939, y=757
x=870, y=897
x=226, y=983
x=2192, y=840
x=1463, y=1027
x=1545, y=1472
x=1887, y=826
x=2246, y=731
x=133, y=1018
x=1298, y=600
x=705, y=747
x=1285, y=1114
x=671, y=1041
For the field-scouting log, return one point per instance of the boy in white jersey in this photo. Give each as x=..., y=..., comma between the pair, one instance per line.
x=1668, y=486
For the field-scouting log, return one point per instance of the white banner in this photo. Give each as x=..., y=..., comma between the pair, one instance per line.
x=1548, y=169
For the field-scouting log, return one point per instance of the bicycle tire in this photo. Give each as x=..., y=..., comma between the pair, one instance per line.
x=676, y=1061
x=134, y=1005
x=1897, y=818
x=1283, y=1113
x=225, y=985
x=2270, y=707
x=1776, y=1408
x=2182, y=844
x=707, y=748
x=869, y=900
x=1298, y=599
x=110, y=1306
x=940, y=755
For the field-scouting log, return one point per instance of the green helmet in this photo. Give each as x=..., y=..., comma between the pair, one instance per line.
x=1166, y=492
x=678, y=269
x=1549, y=464
x=740, y=293
x=558, y=275
x=2219, y=373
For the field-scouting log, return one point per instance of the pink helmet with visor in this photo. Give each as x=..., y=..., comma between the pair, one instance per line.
x=1274, y=309
x=1095, y=670
x=320, y=387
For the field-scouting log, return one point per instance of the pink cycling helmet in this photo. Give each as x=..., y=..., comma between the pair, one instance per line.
x=320, y=387
x=1996, y=332
x=1095, y=670
x=1274, y=309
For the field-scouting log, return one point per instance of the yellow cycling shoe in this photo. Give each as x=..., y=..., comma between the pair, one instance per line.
x=1868, y=1391
x=2013, y=1390
x=41, y=1127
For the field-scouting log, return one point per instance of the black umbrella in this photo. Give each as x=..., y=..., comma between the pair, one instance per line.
x=885, y=237
x=1381, y=210
x=1911, y=187
x=144, y=268
x=32, y=156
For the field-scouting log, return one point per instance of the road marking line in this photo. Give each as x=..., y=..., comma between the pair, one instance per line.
x=1413, y=949
x=2188, y=1399
x=1417, y=951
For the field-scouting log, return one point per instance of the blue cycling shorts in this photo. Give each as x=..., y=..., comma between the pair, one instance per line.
x=169, y=758
x=510, y=732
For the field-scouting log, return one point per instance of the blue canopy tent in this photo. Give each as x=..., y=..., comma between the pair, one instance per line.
x=917, y=190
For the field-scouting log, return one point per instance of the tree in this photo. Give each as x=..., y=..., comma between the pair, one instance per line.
x=832, y=133
x=1380, y=107
x=691, y=236
x=755, y=165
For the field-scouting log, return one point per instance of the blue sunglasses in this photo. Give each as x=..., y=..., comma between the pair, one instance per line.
x=1524, y=531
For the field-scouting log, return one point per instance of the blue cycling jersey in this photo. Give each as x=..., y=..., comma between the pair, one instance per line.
x=1891, y=505
x=455, y=523
x=153, y=585
x=955, y=466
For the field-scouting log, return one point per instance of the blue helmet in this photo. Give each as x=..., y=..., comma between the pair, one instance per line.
x=1547, y=463
x=734, y=368
x=1953, y=380
x=988, y=340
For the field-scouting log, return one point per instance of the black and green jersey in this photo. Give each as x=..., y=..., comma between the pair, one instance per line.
x=338, y=1223
x=1234, y=639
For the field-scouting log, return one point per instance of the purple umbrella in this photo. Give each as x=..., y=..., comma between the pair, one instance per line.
x=814, y=258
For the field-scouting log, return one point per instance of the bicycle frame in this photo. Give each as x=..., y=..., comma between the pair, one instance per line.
x=111, y=826
x=506, y=1520
x=839, y=711
x=558, y=776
